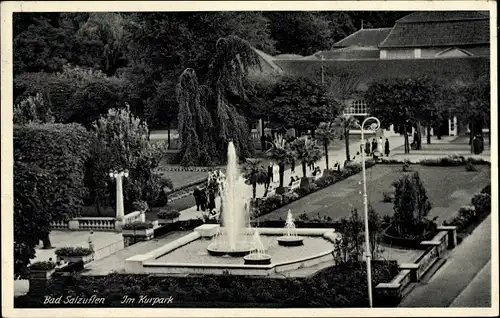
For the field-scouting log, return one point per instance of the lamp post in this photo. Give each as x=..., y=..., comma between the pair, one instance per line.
x=373, y=126
x=118, y=176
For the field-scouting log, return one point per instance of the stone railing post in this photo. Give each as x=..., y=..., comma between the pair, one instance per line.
x=452, y=234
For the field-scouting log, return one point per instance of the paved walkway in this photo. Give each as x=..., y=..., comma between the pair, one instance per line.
x=461, y=279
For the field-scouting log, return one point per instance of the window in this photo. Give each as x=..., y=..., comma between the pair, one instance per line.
x=357, y=107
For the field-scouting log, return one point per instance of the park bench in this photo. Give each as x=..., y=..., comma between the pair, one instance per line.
x=295, y=185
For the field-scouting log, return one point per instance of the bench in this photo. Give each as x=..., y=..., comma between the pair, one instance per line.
x=295, y=185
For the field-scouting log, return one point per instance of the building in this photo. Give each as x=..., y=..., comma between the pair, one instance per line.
x=451, y=46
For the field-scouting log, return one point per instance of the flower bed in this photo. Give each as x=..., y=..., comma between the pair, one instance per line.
x=448, y=161
x=276, y=201
x=391, y=237
x=74, y=254
x=468, y=217
x=138, y=226
x=168, y=216
x=42, y=266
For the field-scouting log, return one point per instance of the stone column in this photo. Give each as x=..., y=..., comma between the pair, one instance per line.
x=120, y=213
x=260, y=127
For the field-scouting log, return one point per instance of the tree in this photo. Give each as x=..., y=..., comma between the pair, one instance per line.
x=49, y=168
x=411, y=206
x=121, y=142
x=307, y=152
x=254, y=173
x=346, y=123
x=300, y=103
x=326, y=133
x=400, y=101
x=281, y=153
x=224, y=88
x=195, y=122
x=300, y=32
x=473, y=105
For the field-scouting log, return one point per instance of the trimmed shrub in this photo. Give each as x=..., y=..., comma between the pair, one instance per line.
x=481, y=202
x=138, y=226
x=169, y=214
x=43, y=266
x=73, y=251
x=140, y=205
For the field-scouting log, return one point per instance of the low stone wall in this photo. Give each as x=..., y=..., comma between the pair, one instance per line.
x=434, y=249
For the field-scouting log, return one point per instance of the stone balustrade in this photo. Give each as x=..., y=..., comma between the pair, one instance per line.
x=97, y=223
x=433, y=250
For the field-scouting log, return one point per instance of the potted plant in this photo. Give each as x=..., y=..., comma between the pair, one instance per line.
x=308, y=152
x=74, y=254
x=282, y=154
x=138, y=229
x=42, y=269
x=169, y=215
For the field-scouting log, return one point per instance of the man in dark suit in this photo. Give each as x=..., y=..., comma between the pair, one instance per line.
x=197, y=198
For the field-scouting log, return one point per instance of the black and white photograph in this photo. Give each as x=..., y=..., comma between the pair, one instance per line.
x=245, y=158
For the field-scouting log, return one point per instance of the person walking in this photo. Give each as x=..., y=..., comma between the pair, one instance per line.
x=203, y=200
x=197, y=197
x=270, y=172
x=367, y=148
x=387, y=147
x=380, y=146
x=374, y=146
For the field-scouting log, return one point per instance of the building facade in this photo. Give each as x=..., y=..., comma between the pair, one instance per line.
x=450, y=46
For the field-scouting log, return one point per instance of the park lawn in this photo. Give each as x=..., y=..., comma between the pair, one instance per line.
x=447, y=187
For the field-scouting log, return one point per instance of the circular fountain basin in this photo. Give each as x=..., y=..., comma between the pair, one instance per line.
x=257, y=259
x=290, y=240
x=221, y=249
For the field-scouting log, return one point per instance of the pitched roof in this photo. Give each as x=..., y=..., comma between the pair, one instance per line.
x=350, y=53
x=440, y=16
x=442, y=28
x=364, y=38
x=268, y=59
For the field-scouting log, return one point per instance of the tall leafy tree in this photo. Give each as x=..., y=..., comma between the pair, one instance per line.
x=225, y=86
x=300, y=32
x=400, y=101
x=300, y=103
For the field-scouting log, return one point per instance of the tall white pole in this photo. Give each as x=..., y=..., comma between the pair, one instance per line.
x=365, y=207
x=120, y=213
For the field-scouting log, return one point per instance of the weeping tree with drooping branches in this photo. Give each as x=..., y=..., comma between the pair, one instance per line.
x=208, y=118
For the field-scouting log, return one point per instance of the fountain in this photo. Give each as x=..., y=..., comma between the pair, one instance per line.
x=257, y=256
x=290, y=238
x=233, y=238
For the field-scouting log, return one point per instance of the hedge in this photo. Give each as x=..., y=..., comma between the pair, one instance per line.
x=60, y=151
x=138, y=226
x=73, y=251
x=168, y=214
x=468, y=217
x=43, y=266
x=448, y=161
x=335, y=286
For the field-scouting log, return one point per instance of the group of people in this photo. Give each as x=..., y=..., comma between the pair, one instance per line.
x=375, y=149
x=203, y=200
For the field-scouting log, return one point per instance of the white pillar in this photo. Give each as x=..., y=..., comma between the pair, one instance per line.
x=120, y=213
x=432, y=131
x=452, y=124
x=259, y=128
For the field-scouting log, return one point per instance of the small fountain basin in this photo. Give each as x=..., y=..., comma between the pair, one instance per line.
x=221, y=249
x=257, y=259
x=290, y=240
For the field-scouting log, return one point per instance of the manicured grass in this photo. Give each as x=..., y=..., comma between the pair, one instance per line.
x=448, y=189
